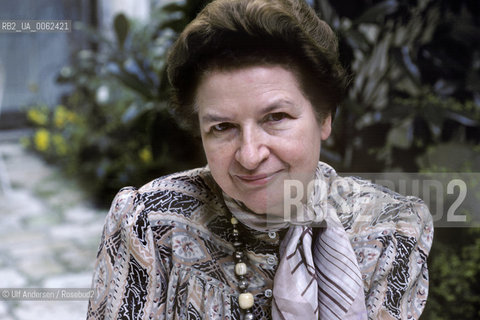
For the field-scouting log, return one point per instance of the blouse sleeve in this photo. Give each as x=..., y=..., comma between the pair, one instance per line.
x=398, y=286
x=126, y=275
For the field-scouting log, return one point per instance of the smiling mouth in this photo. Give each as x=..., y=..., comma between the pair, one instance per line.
x=257, y=179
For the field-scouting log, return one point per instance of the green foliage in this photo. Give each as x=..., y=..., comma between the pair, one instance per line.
x=120, y=24
x=414, y=105
x=117, y=128
x=454, y=276
x=49, y=138
x=395, y=110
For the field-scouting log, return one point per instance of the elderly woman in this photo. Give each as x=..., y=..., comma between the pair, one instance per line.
x=265, y=230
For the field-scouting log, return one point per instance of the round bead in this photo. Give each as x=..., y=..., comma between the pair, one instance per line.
x=271, y=260
x=234, y=221
x=243, y=284
x=272, y=235
x=239, y=255
x=240, y=269
x=268, y=293
x=235, y=233
x=245, y=300
x=248, y=316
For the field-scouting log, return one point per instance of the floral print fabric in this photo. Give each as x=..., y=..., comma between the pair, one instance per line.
x=166, y=251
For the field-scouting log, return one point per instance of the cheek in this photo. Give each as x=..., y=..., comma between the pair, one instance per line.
x=305, y=148
x=218, y=158
x=300, y=156
x=218, y=168
x=306, y=156
x=315, y=140
x=210, y=149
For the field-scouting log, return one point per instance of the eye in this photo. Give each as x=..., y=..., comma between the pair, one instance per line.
x=277, y=116
x=221, y=127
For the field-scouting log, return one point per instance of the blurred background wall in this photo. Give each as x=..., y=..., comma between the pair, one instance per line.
x=29, y=59
x=28, y=62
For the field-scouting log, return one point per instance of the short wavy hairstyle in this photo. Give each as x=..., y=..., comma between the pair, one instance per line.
x=230, y=34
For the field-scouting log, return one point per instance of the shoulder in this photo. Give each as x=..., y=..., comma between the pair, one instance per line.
x=181, y=193
x=363, y=207
x=197, y=180
x=121, y=206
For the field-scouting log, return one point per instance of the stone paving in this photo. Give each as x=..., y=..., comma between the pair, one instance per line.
x=49, y=234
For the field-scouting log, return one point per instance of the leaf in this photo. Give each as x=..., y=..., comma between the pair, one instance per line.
x=130, y=114
x=378, y=12
x=444, y=87
x=121, y=26
x=327, y=13
x=401, y=136
x=379, y=58
x=175, y=25
x=357, y=40
x=132, y=81
x=464, y=120
x=454, y=156
x=402, y=55
x=372, y=73
x=173, y=7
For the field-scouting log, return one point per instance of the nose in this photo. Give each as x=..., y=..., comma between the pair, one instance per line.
x=253, y=149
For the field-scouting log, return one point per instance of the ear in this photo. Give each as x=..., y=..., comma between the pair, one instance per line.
x=326, y=127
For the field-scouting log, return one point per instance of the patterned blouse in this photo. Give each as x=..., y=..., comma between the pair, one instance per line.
x=166, y=251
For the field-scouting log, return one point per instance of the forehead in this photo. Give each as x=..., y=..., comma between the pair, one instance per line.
x=237, y=66
x=234, y=83
x=249, y=94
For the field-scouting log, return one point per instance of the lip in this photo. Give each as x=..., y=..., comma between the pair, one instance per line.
x=256, y=179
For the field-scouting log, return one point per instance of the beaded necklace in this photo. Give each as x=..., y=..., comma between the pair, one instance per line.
x=245, y=299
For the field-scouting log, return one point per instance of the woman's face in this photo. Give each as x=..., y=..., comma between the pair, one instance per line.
x=258, y=130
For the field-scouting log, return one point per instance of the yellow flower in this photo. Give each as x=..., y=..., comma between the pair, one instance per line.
x=59, y=117
x=42, y=139
x=60, y=144
x=145, y=155
x=71, y=117
x=38, y=116
x=63, y=116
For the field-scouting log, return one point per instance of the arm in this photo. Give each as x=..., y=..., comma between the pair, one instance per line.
x=125, y=278
x=399, y=284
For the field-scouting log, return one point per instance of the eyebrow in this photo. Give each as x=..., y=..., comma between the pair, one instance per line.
x=277, y=104
x=214, y=118
x=208, y=118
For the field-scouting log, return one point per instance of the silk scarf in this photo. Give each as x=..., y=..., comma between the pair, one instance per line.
x=318, y=275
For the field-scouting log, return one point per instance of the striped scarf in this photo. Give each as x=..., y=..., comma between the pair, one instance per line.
x=318, y=275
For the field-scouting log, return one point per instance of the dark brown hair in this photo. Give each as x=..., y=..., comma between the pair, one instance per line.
x=229, y=34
